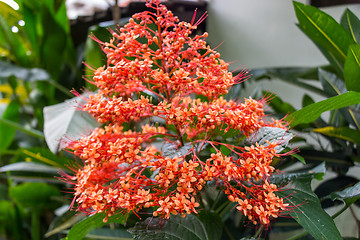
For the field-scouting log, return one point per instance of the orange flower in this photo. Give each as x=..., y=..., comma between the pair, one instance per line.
x=149, y=151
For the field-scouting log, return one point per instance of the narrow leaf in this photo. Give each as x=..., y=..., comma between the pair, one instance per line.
x=307, y=210
x=352, y=24
x=307, y=100
x=29, y=167
x=323, y=30
x=345, y=133
x=282, y=179
x=313, y=111
x=7, y=134
x=348, y=193
x=333, y=86
x=81, y=229
x=331, y=83
x=352, y=69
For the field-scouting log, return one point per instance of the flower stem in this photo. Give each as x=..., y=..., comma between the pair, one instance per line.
x=32, y=132
x=258, y=232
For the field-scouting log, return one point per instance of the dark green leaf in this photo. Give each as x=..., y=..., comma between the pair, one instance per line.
x=176, y=228
x=352, y=193
x=64, y=121
x=7, y=134
x=313, y=111
x=308, y=211
x=212, y=223
x=35, y=196
x=290, y=75
x=29, y=167
x=307, y=100
x=64, y=221
x=298, y=157
x=345, y=133
x=332, y=84
x=352, y=24
x=284, y=178
x=53, y=44
x=324, y=30
x=279, y=106
x=81, y=229
x=109, y=234
x=334, y=159
x=352, y=68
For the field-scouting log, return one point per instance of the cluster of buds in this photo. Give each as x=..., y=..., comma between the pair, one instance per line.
x=164, y=124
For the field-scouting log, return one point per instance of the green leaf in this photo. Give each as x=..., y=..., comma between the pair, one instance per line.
x=212, y=223
x=352, y=24
x=94, y=56
x=307, y=211
x=307, y=100
x=35, y=196
x=313, y=111
x=64, y=121
x=352, y=68
x=332, y=84
x=15, y=42
x=345, y=133
x=298, y=157
x=225, y=150
x=284, y=178
x=10, y=221
x=176, y=228
x=29, y=167
x=7, y=134
x=295, y=76
x=348, y=194
x=53, y=44
x=279, y=106
x=81, y=229
x=323, y=30
x=109, y=234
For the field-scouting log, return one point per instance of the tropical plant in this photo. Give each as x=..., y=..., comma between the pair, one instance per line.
x=340, y=86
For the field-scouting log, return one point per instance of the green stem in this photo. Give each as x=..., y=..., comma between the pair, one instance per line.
x=32, y=132
x=258, y=232
x=35, y=226
x=61, y=88
x=340, y=211
x=216, y=200
x=8, y=152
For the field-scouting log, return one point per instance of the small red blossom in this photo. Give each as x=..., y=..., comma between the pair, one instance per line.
x=146, y=97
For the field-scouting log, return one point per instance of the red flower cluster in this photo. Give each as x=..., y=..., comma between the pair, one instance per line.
x=147, y=96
